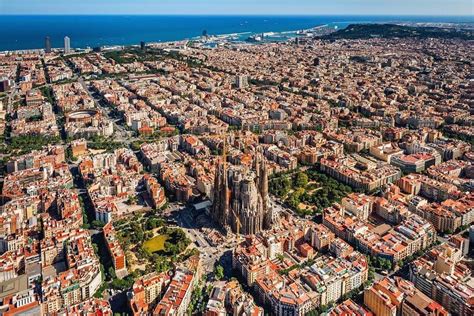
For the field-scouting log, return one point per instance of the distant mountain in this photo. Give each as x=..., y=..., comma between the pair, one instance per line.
x=364, y=31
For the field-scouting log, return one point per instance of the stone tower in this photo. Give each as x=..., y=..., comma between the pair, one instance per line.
x=220, y=206
x=241, y=198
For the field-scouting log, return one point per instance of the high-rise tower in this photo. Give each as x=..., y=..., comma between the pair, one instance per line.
x=241, y=82
x=67, y=45
x=47, y=44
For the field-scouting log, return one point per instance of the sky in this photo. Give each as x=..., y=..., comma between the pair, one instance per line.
x=241, y=7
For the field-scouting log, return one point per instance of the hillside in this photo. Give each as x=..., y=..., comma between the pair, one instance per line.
x=364, y=31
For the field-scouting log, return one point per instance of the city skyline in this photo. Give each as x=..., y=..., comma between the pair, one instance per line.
x=242, y=7
x=236, y=157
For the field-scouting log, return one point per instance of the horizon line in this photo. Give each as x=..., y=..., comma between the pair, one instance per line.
x=231, y=14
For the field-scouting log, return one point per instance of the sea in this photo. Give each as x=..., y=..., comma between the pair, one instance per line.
x=29, y=32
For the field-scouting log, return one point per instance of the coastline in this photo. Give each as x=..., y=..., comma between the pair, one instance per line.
x=27, y=33
x=225, y=36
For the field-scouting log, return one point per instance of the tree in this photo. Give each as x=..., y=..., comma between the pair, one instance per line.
x=385, y=264
x=154, y=222
x=219, y=272
x=371, y=274
x=122, y=284
x=112, y=273
x=131, y=200
x=161, y=265
x=135, y=145
x=97, y=224
x=286, y=185
x=369, y=261
x=102, y=273
x=301, y=180
x=138, y=234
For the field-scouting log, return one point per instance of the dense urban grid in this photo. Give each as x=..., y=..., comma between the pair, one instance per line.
x=314, y=176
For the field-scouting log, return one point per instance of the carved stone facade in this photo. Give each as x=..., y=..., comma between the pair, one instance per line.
x=241, y=198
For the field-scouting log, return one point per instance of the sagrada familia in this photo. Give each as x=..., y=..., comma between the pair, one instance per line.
x=241, y=198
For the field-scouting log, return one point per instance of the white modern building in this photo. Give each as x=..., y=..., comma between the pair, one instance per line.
x=67, y=45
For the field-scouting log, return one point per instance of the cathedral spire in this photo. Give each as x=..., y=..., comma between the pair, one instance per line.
x=242, y=204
